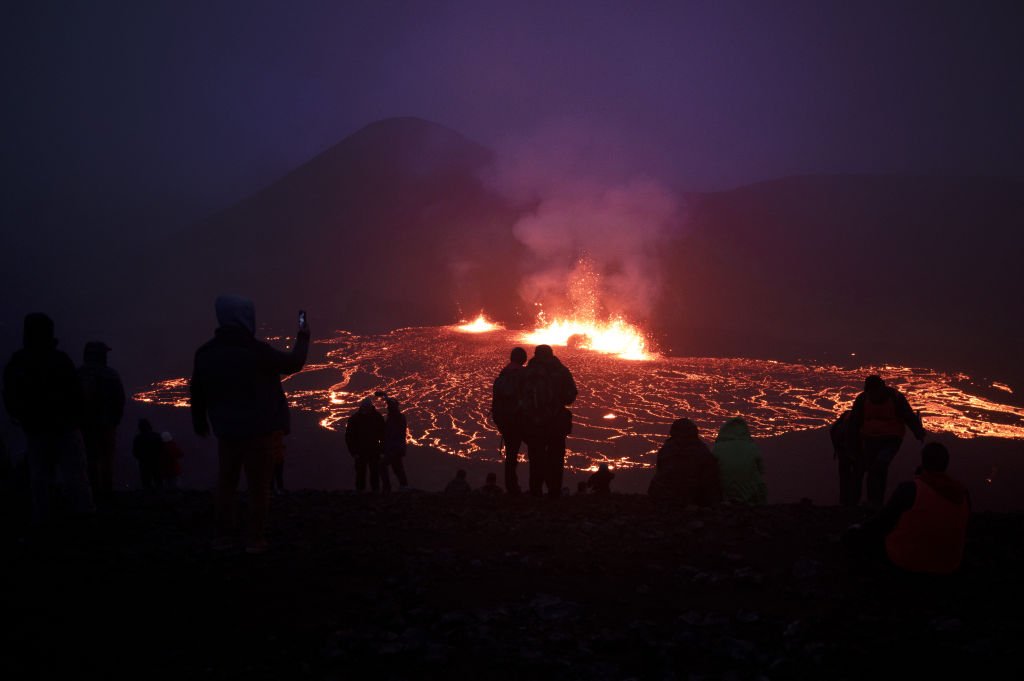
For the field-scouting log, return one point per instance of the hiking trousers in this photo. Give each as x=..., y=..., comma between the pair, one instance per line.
x=513, y=441
x=366, y=464
x=876, y=455
x=100, y=444
x=546, y=454
x=58, y=474
x=255, y=455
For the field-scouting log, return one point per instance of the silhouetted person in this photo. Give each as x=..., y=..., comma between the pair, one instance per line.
x=545, y=390
x=170, y=461
x=236, y=388
x=395, y=430
x=878, y=421
x=459, y=486
x=364, y=437
x=923, y=527
x=490, y=487
x=103, y=409
x=505, y=412
x=601, y=480
x=846, y=460
x=686, y=471
x=43, y=395
x=148, y=450
x=740, y=466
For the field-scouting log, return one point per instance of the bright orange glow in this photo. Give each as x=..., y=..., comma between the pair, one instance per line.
x=616, y=337
x=609, y=416
x=479, y=325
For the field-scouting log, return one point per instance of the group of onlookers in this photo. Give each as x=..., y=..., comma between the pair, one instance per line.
x=70, y=418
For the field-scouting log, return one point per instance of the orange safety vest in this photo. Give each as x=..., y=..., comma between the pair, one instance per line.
x=881, y=420
x=930, y=537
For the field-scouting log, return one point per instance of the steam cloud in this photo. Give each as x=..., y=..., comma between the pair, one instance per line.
x=587, y=219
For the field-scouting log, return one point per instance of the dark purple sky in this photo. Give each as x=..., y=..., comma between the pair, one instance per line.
x=118, y=110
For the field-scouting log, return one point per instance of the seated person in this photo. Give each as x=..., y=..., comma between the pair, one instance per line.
x=601, y=481
x=459, y=486
x=923, y=527
x=740, y=467
x=490, y=487
x=686, y=471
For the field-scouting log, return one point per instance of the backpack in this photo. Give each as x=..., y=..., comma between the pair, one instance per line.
x=539, y=404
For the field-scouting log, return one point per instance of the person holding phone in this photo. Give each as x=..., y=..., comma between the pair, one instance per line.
x=236, y=389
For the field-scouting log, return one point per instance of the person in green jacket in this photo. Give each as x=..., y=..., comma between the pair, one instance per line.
x=739, y=463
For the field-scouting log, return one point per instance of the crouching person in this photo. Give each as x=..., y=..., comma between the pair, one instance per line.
x=923, y=527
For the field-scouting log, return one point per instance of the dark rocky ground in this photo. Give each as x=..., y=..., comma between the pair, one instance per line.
x=418, y=585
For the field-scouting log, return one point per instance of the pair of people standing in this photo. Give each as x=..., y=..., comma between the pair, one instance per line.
x=529, y=404
x=377, y=445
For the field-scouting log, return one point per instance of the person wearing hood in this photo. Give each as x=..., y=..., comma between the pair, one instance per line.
x=545, y=390
x=739, y=464
x=878, y=421
x=686, y=472
x=236, y=390
x=393, y=446
x=923, y=527
x=43, y=395
x=364, y=437
x=104, y=407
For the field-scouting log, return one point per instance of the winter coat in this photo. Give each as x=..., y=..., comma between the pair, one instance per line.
x=558, y=419
x=739, y=464
x=236, y=384
x=364, y=433
x=686, y=472
x=104, y=395
x=901, y=415
x=505, y=397
x=42, y=391
x=395, y=429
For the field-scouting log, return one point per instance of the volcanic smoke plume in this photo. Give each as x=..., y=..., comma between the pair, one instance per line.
x=592, y=228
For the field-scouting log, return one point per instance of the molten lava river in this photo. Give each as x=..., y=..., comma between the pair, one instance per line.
x=443, y=376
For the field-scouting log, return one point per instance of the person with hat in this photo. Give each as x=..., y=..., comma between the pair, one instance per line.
x=878, y=420
x=43, y=395
x=104, y=406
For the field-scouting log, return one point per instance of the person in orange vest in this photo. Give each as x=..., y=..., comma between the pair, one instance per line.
x=923, y=527
x=878, y=420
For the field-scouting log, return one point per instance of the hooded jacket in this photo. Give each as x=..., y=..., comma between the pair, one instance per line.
x=686, y=471
x=739, y=464
x=236, y=379
x=42, y=392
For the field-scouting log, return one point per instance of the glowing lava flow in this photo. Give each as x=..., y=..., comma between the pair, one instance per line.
x=617, y=337
x=443, y=378
x=479, y=325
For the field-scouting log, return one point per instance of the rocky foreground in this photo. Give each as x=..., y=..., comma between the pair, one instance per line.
x=420, y=585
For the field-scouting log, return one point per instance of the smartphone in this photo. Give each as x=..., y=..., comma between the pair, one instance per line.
x=302, y=319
